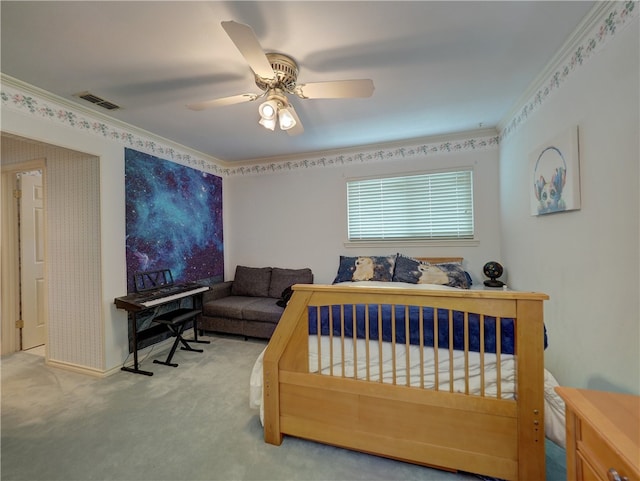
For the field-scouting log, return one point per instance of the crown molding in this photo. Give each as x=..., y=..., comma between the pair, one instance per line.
x=600, y=25
x=31, y=100
x=28, y=99
x=477, y=140
x=399, y=144
x=362, y=156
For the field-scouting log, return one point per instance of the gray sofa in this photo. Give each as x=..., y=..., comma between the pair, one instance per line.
x=247, y=306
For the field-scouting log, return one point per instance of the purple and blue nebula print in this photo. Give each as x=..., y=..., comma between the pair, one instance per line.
x=173, y=220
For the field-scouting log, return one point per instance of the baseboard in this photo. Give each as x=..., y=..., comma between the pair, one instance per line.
x=67, y=366
x=142, y=354
x=156, y=348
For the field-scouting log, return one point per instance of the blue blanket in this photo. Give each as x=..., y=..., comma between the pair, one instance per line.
x=507, y=334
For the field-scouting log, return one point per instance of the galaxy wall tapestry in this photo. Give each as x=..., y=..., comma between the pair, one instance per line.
x=173, y=220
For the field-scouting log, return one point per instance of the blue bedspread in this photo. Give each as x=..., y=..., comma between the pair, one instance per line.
x=507, y=334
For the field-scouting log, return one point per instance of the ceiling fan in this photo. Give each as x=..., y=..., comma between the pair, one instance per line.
x=276, y=75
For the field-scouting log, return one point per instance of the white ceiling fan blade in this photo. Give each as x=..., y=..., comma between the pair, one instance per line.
x=234, y=99
x=246, y=41
x=298, y=128
x=336, y=89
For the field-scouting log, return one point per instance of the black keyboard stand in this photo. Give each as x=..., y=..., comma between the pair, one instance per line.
x=176, y=322
x=195, y=333
x=152, y=290
x=136, y=365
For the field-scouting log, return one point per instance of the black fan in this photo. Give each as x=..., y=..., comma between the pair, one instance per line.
x=493, y=270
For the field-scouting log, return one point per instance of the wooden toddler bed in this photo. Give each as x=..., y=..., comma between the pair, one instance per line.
x=482, y=413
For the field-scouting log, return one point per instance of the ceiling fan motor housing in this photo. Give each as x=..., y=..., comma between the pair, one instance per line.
x=286, y=71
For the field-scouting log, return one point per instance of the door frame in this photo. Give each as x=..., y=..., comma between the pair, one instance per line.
x=10, y=254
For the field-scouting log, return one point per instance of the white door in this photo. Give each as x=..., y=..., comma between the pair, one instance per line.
x=33, y=285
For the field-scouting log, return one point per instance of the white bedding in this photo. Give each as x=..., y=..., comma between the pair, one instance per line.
x=396, y=285
x=553, y=409
x=355, y=361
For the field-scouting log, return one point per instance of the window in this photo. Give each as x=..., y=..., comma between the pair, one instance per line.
x=435, y=206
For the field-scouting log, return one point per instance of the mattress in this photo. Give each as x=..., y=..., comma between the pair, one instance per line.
x=329, y=362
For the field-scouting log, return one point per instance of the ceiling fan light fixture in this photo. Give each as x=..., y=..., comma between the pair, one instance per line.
x=276, y=75
x=268, y=123
x=268, y=110
x=276, y=109
x=286, y=119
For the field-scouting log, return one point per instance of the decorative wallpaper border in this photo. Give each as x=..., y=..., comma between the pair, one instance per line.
x=15, y=98
x=617, y=16
x=375, y=154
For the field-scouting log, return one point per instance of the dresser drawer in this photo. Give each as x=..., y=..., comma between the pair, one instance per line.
x=587, y=472
x=594, y=451
x=603, y=435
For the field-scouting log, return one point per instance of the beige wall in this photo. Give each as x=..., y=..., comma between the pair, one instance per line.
x=87, y=332
x=80, y=327
x=586, y=260
x=299, y=219
x=74, y=327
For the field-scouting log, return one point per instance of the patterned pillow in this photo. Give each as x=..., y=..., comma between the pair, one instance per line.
x=414, y=271
x=366, y=268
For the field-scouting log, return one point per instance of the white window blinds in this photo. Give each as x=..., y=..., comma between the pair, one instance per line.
x=435, y=206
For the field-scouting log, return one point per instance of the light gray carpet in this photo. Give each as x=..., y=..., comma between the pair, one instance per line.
x=192, y=422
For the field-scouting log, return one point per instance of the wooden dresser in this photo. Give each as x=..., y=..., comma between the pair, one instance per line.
x=603, y=435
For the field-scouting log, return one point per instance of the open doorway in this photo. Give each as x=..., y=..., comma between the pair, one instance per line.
x=73, y=269
x=33, y=286
x=24, y=310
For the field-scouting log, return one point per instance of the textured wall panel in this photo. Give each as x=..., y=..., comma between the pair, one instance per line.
x=75, y=333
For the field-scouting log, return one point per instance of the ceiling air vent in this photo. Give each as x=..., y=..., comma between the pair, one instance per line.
x=94, y=99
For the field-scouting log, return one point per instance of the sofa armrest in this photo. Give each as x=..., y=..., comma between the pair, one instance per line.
x=218, y=291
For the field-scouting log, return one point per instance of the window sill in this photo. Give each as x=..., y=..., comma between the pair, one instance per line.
x=414, y=243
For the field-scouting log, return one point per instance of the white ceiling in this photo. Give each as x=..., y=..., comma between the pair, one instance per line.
x=438, y=67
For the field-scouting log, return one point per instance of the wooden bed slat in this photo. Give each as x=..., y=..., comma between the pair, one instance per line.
x=475, y=404
x=404, y=450
x=451, y=437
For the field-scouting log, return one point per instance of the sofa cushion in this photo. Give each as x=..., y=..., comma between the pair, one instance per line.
x=283, y=278
x=251, y=281
x=245, y=308
x=231, y=306
x=263, y=309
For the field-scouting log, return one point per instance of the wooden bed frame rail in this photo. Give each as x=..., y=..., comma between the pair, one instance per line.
x=479, y=434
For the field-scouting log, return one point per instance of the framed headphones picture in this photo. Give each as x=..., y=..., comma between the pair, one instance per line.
x=555, y=175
